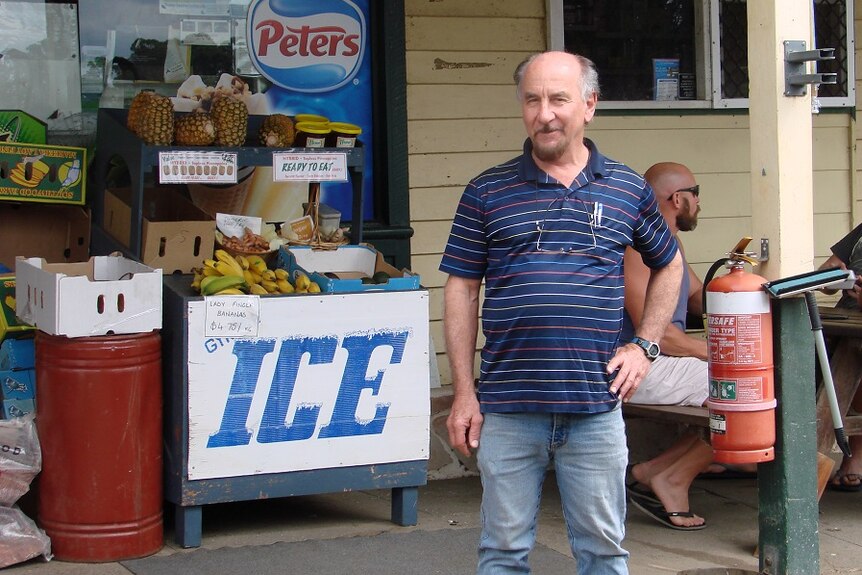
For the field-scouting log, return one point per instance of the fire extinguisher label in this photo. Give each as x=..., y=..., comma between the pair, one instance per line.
x=722, y=390
x=717, y=423
x=741, y=390
x=735, y=339
x=731, y=303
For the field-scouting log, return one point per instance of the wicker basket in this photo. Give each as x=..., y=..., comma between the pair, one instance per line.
x=320, y=245
x=268, y=257
x=232, y=248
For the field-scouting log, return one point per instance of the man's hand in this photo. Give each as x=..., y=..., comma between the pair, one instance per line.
x=464, y=424
x=833, y=262
x=856, y=292
x=631, y=364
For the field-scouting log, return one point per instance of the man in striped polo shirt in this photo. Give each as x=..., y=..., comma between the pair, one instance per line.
x=547, y=232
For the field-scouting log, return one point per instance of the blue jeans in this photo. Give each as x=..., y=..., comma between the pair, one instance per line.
x=589, y=454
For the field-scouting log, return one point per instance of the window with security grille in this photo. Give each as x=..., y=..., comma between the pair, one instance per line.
x=831, y=28
x=625, y=38
x=688, y=53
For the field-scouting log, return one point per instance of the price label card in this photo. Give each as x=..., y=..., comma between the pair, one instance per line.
x=232, y=316
x=207, y=167
x=324, y=167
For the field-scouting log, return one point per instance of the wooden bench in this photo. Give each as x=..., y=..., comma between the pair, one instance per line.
x=846, y=374
x=699, y=417
x=688, y=415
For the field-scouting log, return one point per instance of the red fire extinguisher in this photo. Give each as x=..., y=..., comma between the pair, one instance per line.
x=741, y=380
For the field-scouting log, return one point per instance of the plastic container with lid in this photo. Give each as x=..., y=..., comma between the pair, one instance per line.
x=315, y=118
x=343, y=135
x=329, y=218
x=311, y=135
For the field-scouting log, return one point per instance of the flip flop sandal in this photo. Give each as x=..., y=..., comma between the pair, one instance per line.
x=848, y=482
x=728, y=473
x=637, y=489
x=660, y=514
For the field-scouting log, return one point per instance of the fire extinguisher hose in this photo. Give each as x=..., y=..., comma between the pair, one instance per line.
x=716, y=265
x=829, y=385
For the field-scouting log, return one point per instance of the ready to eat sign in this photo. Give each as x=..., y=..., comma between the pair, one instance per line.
x=330, y=381
x=306, y=45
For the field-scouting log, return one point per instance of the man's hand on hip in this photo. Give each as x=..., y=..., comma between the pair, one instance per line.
x=631, y=365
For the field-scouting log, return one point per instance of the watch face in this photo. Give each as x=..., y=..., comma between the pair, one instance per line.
x=651, y=348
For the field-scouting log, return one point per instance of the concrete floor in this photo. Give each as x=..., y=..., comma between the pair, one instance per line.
x=725, y=546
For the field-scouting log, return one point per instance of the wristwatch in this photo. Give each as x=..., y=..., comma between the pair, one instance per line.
x=651, y=348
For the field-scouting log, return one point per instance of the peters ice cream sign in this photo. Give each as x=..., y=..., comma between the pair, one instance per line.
x=306, y=45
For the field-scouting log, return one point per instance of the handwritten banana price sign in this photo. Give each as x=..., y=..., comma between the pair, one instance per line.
x=325, y=167
x=232, y=316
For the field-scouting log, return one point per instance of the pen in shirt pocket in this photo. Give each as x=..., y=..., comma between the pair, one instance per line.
x=597, y=213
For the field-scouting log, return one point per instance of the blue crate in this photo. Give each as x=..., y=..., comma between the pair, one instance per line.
x=19, y=384
x=341, y=270
x=18, y=354
x=12, y=408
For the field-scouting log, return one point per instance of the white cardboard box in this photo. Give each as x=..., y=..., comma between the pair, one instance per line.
x=341, y=270
x=105, y=295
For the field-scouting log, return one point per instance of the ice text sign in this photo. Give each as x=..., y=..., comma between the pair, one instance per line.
x=329, y=381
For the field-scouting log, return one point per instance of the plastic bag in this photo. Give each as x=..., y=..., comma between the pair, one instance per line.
x=20, y=538
x=20, y=457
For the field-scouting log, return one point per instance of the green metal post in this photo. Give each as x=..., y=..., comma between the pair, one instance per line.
x=789, y=543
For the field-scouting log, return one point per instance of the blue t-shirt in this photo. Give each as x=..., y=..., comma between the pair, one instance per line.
x=680, y=314
x=551, y=257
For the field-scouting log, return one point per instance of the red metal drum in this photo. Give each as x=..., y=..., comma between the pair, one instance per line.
x=99, y=418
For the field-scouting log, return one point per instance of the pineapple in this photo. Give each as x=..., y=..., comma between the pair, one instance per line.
x=230, y=117
x=151, y=117
x=195, y=129
x=277, y=131
x=136, y=109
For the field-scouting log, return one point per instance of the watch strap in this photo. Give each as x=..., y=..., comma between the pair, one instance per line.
x=650, y=348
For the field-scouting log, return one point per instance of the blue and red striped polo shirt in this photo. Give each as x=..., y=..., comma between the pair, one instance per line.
x=551, y=257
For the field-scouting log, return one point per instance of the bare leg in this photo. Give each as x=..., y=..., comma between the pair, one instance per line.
x=646, y=470
x=671, y=473
x=851, y=467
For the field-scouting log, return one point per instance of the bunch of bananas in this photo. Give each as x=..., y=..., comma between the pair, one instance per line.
x=220, y=276
x=240, y=275
x=303, y=283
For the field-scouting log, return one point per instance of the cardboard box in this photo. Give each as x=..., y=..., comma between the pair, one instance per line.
x=18, y=354
x=342, y=270
x=12, y=408
x=176, y=235
x=105, y=295
x=18, y=384
x=9, y=324
x=54, y=232
x=40, y=173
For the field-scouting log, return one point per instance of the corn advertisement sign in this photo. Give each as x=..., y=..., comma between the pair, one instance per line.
x=39, y=173
x=8, y=321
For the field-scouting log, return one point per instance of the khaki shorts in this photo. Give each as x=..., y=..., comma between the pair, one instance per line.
x=674, y=381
